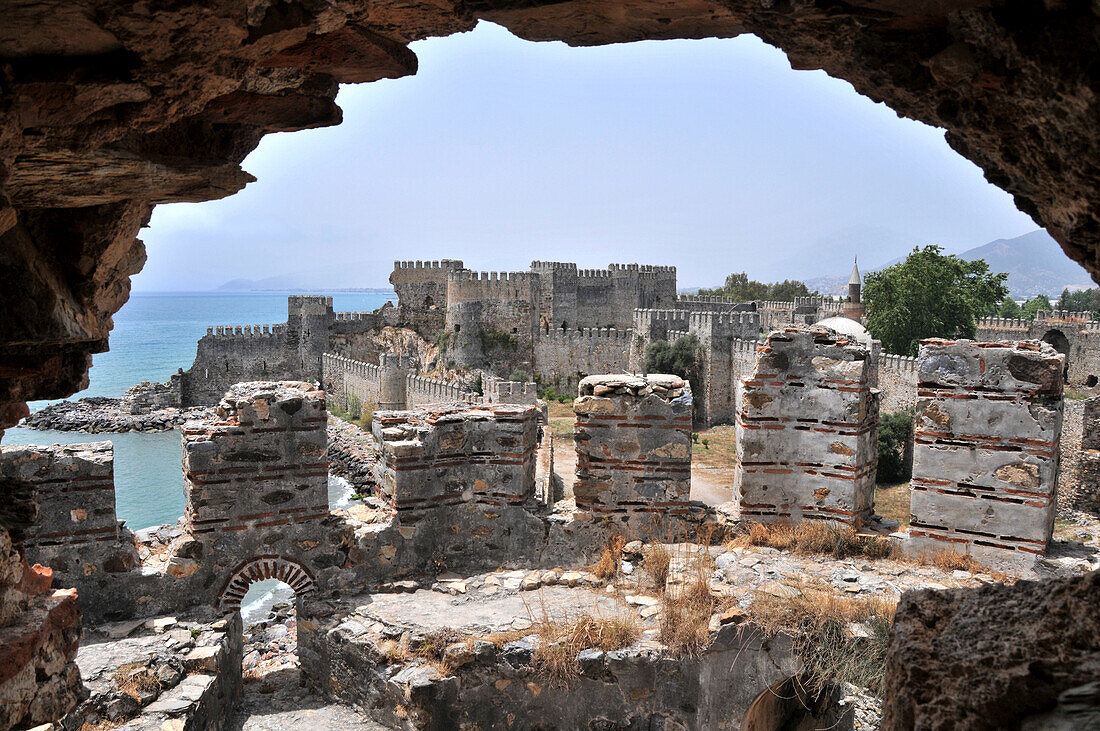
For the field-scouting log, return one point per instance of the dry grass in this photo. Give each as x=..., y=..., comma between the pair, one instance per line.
x=611, y=559
x=556, y=655
x=133, y=679
x=720, y=452
x=819, y=622
x=955, y=561
x=657, y=559
x=685, y=618
x=815, y=537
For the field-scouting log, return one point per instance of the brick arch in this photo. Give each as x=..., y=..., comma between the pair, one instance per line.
x=258, y=568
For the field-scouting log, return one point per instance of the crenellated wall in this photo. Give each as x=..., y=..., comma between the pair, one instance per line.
x=897, y=381
x=1074, y=334
x=563, y=357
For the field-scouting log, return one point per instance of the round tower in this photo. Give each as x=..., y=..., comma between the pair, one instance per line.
x=393, y=371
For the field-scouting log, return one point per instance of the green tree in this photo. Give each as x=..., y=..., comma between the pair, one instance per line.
x=1007, y=308
x=1083, y=300
x=740, y=287
x=680, y=358
x=930, y=294
x=1033, y=305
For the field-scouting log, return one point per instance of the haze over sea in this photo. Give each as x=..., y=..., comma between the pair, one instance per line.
x=155, y=334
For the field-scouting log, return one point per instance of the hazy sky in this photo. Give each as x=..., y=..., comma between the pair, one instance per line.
x=711, y=155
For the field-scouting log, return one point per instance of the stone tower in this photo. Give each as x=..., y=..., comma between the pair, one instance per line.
x=853, y=308
x=307, y=324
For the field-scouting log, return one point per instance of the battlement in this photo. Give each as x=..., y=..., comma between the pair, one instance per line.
x=339, y=364
x=710, y=299
x=354, y=315
x=551, y=266
x=744, y=345
x=1004, y=323
x=469, y=276
x=897, y=362
x=246, y=331
x=594, y=274
x=702, y=320
x=649, y=268
x=584, y=333
x=300, y=300
x=422, y=390
x=1064, y=315
x=445, y=264
x=775, y=305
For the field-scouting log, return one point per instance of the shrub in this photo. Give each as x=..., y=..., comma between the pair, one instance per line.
x=520, y=375
x=355, y=407
x=895, y=434
x=611, y=559
x=680, y=358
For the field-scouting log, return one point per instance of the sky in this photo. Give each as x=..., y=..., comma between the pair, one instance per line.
x=713, y=155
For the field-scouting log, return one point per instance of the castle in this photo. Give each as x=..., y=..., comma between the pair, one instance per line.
x=556, y=321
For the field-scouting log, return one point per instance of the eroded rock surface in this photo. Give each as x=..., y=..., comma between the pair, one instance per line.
x=987, y=658
x=108, y=108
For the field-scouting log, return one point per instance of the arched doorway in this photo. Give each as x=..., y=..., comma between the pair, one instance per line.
x=286, y=570
x=1058, y=340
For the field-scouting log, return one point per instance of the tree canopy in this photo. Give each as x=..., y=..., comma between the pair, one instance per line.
x=740, y=287
x=1084, y=300
x=678, y=358
x=1007, y=308
x=1033, y=305
x=930, y=294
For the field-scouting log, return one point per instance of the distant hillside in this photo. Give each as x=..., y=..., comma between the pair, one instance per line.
x=1034, y=262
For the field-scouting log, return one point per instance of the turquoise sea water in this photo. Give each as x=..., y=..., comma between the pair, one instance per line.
x=154, y=335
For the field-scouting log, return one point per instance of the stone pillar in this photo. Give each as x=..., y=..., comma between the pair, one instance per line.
x=393, y=374
x=261, y=464
x=807, y=430
x=985, y=455
x=76, y=531
x=456, y=455
x=633, y=441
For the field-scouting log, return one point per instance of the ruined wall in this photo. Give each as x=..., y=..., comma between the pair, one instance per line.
x=499, y=391
x=633, y=441
x=148, y=396
x=807, y=430
x=76, y=532
x=421, y=288
x=985, y=457
x=262, y=465
x=446, y=457
x=565, y=357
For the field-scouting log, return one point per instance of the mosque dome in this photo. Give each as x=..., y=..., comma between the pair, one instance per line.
x=849, y=327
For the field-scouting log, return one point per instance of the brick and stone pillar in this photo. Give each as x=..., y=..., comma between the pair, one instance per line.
x=261, y=467
x=76, y=531
x=807, y=430
x=444, y=456
x=633, y=441
x=985, y=456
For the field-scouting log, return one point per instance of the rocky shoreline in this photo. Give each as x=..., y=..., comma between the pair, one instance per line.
x=102, y=414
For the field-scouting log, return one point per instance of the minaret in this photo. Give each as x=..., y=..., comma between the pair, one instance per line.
x=853, y=308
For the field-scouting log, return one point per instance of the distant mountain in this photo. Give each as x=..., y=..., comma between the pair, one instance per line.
x=1034, y=262
x=363, y=276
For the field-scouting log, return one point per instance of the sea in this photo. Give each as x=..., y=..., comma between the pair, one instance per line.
x=154, y=335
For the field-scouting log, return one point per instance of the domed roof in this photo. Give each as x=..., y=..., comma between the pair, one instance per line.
x=847, y=326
